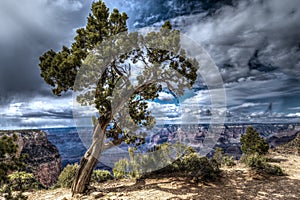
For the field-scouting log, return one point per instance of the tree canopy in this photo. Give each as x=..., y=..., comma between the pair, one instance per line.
x=252, y=143
x=118, y=73
x=59, y=69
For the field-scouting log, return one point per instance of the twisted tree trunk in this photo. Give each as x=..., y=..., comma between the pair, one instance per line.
x=89, y=161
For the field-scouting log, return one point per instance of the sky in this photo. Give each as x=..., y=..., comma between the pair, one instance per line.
x=254, y=44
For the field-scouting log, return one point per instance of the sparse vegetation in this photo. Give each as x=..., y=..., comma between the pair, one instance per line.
x=223, y=159
x=11, y=179
x=190, y=164
x=101, y=176
x=259, y=163
x=254, y=149
x=292, y=147
x=22, y=181
x=67, y=176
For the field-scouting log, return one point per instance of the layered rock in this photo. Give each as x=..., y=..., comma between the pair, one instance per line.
x=43, y=159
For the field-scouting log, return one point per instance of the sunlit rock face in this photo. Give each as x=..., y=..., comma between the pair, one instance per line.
x=43, y=160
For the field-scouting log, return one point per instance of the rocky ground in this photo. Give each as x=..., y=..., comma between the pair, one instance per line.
x=237, y=182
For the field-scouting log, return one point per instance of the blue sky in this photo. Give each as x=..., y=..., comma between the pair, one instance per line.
x=254, y=44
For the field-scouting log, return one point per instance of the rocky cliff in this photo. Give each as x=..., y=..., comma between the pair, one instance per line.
x=43, y=159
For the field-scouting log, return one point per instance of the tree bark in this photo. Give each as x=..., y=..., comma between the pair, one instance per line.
x=89, y=161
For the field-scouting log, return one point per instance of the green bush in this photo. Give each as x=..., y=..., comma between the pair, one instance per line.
x=121, y=169
x=222, y=159
x=67, y=176
x=101, y=176
x=260, y=164
x=10, y=164
x=21, y=181
x=219, y=156
x=255, y=161
x=252, y=143
x=199, y=167
x=228, y=161
x=8, y=158
x=159, y=162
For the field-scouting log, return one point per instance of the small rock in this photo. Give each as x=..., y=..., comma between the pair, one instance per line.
x=97, y=195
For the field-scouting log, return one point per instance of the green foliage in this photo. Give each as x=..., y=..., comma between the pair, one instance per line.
x=18, y=196
x=10, y=164
x=219, y=156
x=59, y=69
x=21, y=181
x=255, y=161
x=11, y=179
x=121, y=169
x=190, y=164
x=199, y=167
x=67, y=176
x=104, y=42
x=222, y=159
x=252, y=143
x=298, y=148
x=95, y=45
x=8, y=149
x=259, y=163
x=229, y=161
x=101, y=176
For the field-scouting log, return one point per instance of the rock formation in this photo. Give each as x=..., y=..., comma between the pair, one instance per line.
x=43, y=159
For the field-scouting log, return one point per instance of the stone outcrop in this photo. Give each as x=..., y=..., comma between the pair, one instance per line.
x=43, y=160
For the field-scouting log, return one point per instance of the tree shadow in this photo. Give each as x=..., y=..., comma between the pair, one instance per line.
x=229, y=186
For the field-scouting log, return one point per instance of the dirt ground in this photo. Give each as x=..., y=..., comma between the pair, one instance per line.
x=237, y=182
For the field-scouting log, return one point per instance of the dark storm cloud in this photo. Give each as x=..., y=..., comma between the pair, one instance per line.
x=255, y=44
x=53, y=114
x=38, y=112
x=28, y=29
x=144, y=13
x=251, y=38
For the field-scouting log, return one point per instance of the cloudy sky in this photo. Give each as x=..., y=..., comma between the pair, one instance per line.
x=254, y=43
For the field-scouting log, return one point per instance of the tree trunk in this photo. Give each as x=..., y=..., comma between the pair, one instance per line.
x=89, y=161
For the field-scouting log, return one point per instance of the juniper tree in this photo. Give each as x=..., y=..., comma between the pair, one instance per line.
x=117, y=72
x=252, y=143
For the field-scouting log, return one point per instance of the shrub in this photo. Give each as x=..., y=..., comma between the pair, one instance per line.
x=190, y=163
x=222, y=159
x=228, y=161
x=10, y=163
x=67, y=176
x=8, y=158
x=255, y=161
x=274, y=170
x=121, y=169
x=252, y=143
x=199, y=167
x=101, y=176
x=21, y=181
x=219, y=156
x=260, y=164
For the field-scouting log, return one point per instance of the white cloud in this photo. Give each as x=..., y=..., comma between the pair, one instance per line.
x=293, y=115
x=163, y=96
x=40, y=112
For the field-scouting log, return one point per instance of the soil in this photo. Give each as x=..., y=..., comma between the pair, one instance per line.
x=237, y=182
